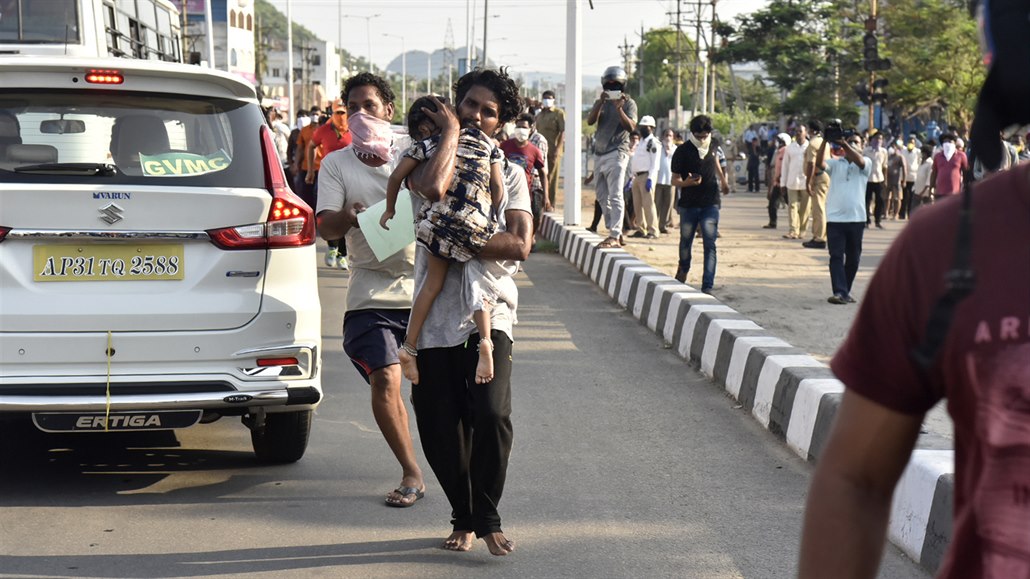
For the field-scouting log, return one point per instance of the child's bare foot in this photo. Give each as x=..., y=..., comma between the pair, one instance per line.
x=499, y=544
x=408, y=357
x=459, y=541
x=485, y=368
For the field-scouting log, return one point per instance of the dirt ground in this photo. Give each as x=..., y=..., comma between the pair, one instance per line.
x=775, y=282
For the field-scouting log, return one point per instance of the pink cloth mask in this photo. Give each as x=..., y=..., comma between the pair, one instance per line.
x=371, y=136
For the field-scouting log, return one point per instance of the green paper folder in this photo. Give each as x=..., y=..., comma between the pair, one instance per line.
x=386, y=242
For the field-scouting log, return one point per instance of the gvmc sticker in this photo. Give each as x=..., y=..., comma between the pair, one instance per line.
x=180, y=164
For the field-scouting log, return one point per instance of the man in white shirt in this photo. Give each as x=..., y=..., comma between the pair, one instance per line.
x=792, y=178
x=876, y=188
x=913, y=158
x=380, y=292
x=644, y=166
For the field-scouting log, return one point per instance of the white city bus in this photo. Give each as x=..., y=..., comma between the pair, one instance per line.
x=143, y=29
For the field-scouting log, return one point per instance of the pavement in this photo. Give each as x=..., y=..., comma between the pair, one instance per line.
x=765, y=335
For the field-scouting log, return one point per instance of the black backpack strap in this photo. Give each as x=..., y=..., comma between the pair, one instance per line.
x=959, y=283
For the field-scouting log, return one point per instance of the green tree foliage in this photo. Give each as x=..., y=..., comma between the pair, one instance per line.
x=812, y=53
x=807, y=48
x=271, y=35
x=658, y=55
x=936, y=55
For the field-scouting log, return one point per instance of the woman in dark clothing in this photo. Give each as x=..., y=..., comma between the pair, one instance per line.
x=696, y=171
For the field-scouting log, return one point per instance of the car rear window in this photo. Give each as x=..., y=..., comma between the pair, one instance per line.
x=127, y=137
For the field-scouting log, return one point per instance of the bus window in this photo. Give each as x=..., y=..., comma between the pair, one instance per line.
x=39, y=21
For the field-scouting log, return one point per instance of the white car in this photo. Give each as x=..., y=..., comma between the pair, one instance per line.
x=155, y=269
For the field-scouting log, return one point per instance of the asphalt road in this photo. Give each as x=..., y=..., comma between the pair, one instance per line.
x=627, y=463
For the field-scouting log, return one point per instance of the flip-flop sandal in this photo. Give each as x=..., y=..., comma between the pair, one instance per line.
x=406, y=492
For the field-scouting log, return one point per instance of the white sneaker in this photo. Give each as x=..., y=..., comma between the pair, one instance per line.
x=331, y=256
x=342, y=263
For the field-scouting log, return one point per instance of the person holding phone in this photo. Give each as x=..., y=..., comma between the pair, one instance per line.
x=696, y=171
x=615, y=114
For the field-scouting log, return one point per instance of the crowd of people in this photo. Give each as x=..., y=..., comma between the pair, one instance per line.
x=441, y=311
x=639, y=178
x=898, y=174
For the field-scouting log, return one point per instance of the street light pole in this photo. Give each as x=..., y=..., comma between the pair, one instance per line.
x=486, y=17
x=368, y=34
x=404, y=74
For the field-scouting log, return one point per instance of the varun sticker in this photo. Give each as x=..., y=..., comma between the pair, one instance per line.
x=179, y=164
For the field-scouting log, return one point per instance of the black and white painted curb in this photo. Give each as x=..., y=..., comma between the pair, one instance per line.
x=787, y=390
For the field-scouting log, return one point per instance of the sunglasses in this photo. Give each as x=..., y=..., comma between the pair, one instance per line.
x=339, y=112
x=700, y=133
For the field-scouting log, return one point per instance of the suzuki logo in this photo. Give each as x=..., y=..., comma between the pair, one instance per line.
x=111, y=213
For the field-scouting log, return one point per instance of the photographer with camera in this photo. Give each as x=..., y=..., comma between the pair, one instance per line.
x=615, y=114
x=846, y=213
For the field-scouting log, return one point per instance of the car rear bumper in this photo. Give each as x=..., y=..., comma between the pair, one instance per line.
x=297, y=396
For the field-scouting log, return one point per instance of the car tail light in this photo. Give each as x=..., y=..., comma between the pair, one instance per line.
x=3, y=232
x=291, y=223
x=104, y=77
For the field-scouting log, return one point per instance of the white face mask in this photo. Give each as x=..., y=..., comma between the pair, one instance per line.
x=547, y=103
x=521, y=134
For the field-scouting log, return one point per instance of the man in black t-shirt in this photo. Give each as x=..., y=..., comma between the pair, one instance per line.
x=695, y=169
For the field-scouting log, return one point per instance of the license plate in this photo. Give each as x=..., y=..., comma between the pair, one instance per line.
x=103, y=262
x=120, y=421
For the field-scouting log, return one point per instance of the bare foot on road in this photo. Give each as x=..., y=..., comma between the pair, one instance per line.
x=499, y=544
x=409, y=365
x=459, y=541
x=485, y=368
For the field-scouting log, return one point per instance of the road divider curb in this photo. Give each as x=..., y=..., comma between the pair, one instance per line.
x=785, y=389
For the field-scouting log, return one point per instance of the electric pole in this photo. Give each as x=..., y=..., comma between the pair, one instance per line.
x=679, y=65
x=711, y=66
x=640, y=62
x=627, y=52
x=697, y=59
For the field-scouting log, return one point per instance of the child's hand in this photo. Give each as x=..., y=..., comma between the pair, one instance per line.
x=387, y=215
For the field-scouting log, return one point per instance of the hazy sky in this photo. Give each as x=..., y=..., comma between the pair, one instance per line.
x=527, y=35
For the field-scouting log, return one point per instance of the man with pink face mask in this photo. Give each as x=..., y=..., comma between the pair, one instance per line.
x=380, y=292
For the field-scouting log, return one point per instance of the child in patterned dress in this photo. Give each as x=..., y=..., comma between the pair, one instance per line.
x=455, y=228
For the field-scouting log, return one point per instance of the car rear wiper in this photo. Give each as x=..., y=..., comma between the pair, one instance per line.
x=89, y=169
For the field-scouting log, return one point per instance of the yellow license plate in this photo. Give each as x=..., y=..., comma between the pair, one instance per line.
x=121, y=262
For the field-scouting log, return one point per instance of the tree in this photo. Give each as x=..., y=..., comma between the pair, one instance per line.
x=806, y=48
x=935, y=50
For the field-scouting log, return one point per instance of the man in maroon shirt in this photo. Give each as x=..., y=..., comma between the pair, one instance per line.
x=520, y=151
x=896, y=364
x=331, y=136
x=948, y=166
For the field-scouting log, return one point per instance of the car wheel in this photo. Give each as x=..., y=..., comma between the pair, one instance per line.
x=283, y=438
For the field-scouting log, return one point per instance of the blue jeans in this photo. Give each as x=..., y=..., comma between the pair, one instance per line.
x=708, y=219
x=844, y=241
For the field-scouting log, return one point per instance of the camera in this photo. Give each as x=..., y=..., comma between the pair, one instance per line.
x=834, y=132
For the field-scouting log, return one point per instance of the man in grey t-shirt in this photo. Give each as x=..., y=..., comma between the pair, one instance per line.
x=615, y=114
x=379, y=296
x=465, y=427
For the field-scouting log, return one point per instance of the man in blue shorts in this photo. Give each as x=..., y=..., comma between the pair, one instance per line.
x=380, y=292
